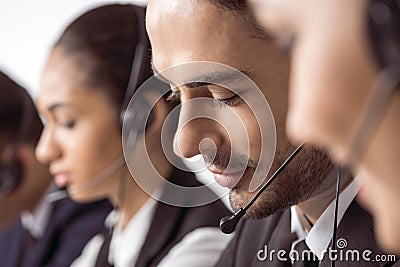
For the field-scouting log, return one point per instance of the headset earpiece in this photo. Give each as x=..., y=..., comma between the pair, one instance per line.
x=137, y=117
x=384, y=33
x=11, y=175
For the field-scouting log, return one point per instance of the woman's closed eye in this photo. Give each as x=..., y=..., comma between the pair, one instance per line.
x=69, y=124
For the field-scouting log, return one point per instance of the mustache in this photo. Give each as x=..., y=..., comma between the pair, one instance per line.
x=223, y=160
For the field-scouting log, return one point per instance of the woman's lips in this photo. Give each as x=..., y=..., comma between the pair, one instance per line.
x=62, y=179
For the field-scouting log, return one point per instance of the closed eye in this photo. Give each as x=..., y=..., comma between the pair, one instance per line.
x=230, y=101
x=175, y=97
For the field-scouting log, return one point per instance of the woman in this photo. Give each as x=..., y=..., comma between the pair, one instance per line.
x=82, y=92
x=39, y=225
x=345, y=91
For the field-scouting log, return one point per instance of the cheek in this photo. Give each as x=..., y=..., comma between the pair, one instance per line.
x=93, y=148
x=381, y=199
x=324, y=101
x=252, y=129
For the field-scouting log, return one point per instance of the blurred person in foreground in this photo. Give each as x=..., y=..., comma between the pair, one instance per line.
x=344, y=91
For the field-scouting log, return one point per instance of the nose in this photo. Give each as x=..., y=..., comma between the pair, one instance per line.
x=47, y=149
x=199, y=131
x=199, y=136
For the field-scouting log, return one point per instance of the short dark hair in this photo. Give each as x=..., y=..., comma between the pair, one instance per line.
x=104, y=40
x=231, y=4
x=18, y=116
x=241, y=6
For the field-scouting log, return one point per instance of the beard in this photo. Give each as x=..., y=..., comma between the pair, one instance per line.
x=299, y=181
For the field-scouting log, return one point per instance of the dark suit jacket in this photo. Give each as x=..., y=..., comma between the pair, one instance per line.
x=170, y=223
x=275, y=233
x=69, y=228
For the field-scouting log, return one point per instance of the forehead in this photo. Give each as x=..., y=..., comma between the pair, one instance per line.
x=184, y=31
x=62, y=80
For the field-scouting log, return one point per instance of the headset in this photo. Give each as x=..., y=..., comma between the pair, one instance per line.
x=12, y=172
x=132, y=118
x=137, y=116
x=384, y=34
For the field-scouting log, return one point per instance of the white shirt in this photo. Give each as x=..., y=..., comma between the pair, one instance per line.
x=320, y=235
x=36, y=222
x=201, y=247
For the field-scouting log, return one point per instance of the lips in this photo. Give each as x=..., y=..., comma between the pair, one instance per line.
x=227, y=179
x=61, y=179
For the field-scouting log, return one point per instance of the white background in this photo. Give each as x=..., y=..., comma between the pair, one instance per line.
x=28, y=29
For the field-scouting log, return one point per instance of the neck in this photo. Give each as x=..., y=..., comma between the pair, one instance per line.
x=130, y=199
x=133, y=197
x=310, y=211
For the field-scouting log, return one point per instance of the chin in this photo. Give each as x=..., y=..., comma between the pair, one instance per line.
x=82, y=198
x=79, y=198
x=262, y=207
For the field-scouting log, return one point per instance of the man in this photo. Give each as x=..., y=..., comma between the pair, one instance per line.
x=345, y=91
x=223, y=32
x=52, y=229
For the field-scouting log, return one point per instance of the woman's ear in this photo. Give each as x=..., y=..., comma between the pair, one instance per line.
x=26, y=155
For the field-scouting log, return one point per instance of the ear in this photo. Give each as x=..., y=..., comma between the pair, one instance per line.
x=26, y=155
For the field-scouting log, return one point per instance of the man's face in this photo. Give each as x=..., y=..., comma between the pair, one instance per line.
x=332, y=68
x=190, y=31
x=332, y=75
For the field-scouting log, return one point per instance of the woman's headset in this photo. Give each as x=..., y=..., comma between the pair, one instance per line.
x=384, y=34
x=137, y=115
x=12, y=172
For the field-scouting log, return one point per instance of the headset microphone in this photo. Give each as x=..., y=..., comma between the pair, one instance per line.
x=110, y=170
x=134, y=119
x=228, y=223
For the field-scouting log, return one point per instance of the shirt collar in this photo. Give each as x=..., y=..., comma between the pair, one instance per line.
x=320, y=235
x=35, y=222
x=125, y=246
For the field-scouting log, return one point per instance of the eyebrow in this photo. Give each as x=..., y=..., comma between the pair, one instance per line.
x=217, y=78
x=212, y=78
x=55, y=106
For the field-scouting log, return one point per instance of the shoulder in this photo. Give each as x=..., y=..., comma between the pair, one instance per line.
x=200, y=247
x=251, y=236
x=67, y=209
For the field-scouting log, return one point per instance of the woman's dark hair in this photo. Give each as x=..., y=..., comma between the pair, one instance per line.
x=103, y=41
x=19, y=120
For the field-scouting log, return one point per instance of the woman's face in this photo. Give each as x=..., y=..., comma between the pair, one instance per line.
x=81, y=137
